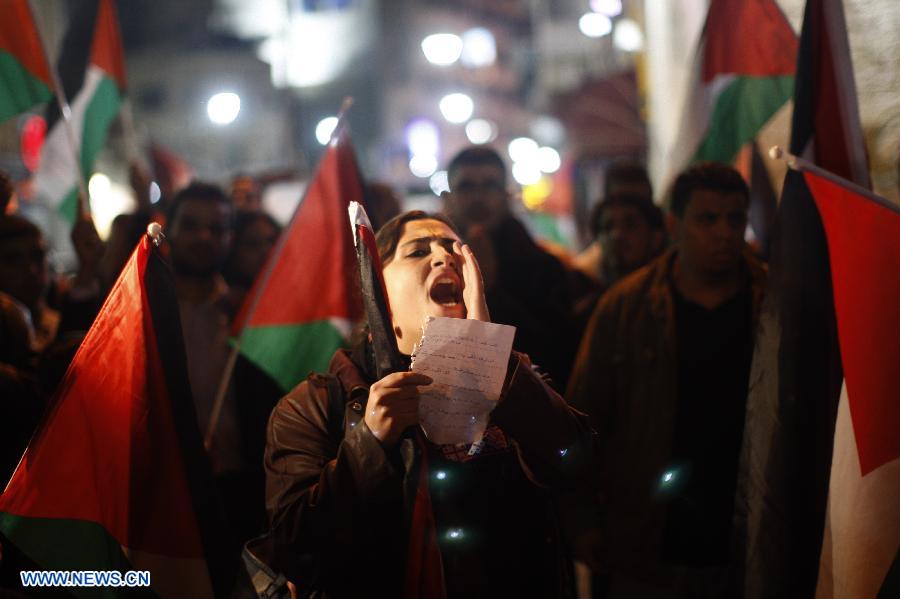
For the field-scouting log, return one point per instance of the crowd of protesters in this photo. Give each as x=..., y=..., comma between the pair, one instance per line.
x=615, y=444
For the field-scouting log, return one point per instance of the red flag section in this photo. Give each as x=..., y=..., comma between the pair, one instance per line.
x=864, y=251
x=302, y=305
x=105, y=481
x=106, y=51
x=19, y=37
x=748, y=37
x=313, y=274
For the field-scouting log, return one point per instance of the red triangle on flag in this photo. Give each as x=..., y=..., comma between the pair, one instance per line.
x=864, y=251
x=748, y=37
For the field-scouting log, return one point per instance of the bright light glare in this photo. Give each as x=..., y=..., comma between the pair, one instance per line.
x=442, y=49
x=594, y=24
x=457, y=108
x=548, y=130
x=526, y=173
x=325, y=128
x=422, y=137
x=440, y=475
x=610, y=8
x=99, y=185
x=548, y=160
x=423, y=165
x=628, y=36
x=522, y=149
x=223, y=108
x=481, y=131
x=478, y=48
x=439, y=183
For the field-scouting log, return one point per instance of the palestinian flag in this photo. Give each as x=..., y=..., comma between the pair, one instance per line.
x=302, y=305
x=862, y=525
x=94, y=84
x=797, y=372
x=743, y=73
x=24, y=76
x=115, y=477
x=374, y=295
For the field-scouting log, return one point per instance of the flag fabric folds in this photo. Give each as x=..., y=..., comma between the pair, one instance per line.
x=94, y=84
x=374, y=296
x=862, y=526
x=797, y=372
x=743, y=73
x=115, y=478
x=302, y=305
x=24, y=75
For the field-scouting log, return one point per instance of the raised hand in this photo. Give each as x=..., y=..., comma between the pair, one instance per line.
x=473, y=284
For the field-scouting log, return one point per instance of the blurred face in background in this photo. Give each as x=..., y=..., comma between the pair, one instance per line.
x=200, y=237
x=251, y=248
x=23, y=268
x=477, y=196
x=710, y=233
x=626, y=237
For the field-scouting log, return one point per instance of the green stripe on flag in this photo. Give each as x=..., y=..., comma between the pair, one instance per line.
x=62, y=544
x=740, y=112
x=20, y=89
x=68, y=209
x=288, y=353
x=100, y=112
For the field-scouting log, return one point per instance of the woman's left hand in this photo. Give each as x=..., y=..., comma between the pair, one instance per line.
x=473, y=284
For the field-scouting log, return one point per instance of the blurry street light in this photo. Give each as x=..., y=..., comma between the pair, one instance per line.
x=481, y=131
x=526, y=173
x=593, y=24
x=422, y=138
x=99, y=185
x=439, y=183
x=548, y=160
x=610, y=8
x=628, y=36
x=457, y=108
x=325, y=128
x=523, y=149
x=478, y=48
x=423, y=165
x=442, y=49
x=223, y=108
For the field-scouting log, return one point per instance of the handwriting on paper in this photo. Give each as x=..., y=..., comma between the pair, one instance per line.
x=467, y=359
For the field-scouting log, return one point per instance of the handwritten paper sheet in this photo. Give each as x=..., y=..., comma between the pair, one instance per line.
x=467, y=360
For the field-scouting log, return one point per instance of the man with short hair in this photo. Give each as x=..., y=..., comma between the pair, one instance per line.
x=25, y=276
x=629, y=229
x=663, y=372
x=525, y=286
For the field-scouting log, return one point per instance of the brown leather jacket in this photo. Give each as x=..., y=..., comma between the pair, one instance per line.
x=625, y=379
x=338, y=502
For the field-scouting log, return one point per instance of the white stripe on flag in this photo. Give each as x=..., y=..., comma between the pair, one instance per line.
x=58, y=170
x=862, y=522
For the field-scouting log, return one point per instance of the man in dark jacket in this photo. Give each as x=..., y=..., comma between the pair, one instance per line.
x=663, y=371
x=525, y=286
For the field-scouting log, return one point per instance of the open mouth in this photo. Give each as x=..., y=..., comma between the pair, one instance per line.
x=446, y=292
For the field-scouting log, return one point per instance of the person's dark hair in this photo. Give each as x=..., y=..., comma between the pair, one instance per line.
x=6, y=191
x=13, y=226
x=388, y=236
x=713, y=176
x=207, y=192
x=626, y=172
x=476, y=156
x=649, y=211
